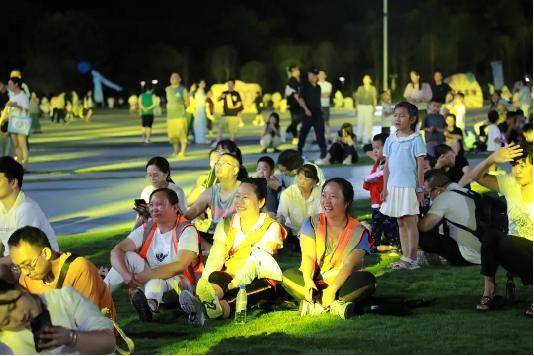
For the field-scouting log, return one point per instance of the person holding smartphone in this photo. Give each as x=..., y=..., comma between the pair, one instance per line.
x=60, y=321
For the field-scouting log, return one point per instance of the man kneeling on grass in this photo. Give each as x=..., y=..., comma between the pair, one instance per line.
x=159, y=257
x=241, y=257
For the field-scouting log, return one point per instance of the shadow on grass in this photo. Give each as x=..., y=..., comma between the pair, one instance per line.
x=260, y=344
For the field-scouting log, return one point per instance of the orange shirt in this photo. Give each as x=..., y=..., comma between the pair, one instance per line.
x=83, y=276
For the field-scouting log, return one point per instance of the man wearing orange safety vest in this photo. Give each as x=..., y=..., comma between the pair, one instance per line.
x=161, y=256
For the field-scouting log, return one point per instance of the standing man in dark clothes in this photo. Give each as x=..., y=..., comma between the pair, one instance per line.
x=232, y=106
x=439, y=88
x=310, y=101
x=291, y=93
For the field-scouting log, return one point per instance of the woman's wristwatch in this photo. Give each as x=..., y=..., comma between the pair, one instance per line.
x=419, y=190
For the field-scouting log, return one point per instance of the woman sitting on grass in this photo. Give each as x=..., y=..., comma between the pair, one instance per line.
x=333, y=244
x=512, y=252
x=76, y=324
x=242, y=255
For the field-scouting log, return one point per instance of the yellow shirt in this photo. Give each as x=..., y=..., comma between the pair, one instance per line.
x=83, y=276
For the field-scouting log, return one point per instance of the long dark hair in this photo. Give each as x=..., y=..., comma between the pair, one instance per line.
x=277, y=120
x=162, y=164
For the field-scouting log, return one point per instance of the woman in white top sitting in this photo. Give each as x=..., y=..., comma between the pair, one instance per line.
x=299, y=201
x=76, y=324
x=158, y=172
x=241, y=256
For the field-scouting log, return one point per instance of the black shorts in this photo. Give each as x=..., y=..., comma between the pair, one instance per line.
x=147, y=120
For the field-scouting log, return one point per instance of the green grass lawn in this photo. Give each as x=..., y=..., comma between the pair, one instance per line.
x=449, y=326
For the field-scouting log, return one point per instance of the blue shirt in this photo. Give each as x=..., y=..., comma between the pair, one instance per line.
x=401, y=153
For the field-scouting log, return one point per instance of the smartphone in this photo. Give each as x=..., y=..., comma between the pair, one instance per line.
x=38, y=324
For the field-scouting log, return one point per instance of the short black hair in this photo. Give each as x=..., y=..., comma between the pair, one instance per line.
x=510, y=115
x=231, y=80
x=5, y=287
x=441, y=149
x=260, y=186
x=451, y=115
x=346, y=188
x=17, y=81
x=31, y=235
x=493, y=116
x=268, y=160
x=172, y=197
x=291, y=159
x=527, y=127
x=382, y=137
x=519, y=112
x=437, y=178
x=460, y=94
x=526, y=156
x=309, y=171
x=12, y=169
x=412, y=111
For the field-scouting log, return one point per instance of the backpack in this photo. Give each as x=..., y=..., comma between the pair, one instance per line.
x=490, y=213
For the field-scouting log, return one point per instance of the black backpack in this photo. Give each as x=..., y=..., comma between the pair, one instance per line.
x=490, y=213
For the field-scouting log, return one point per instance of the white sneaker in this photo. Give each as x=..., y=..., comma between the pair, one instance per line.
x=342, y=309
x=192, y=306
x=347, y=161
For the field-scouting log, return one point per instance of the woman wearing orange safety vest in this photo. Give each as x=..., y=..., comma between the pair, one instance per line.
x=242, y=255
x=158, y=257
x=333, y=244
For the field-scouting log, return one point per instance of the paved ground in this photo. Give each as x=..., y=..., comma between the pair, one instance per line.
x=85, y=176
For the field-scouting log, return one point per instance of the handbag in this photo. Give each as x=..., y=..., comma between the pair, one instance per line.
x=20, y=124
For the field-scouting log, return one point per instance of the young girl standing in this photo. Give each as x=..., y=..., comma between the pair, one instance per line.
x=403, y=181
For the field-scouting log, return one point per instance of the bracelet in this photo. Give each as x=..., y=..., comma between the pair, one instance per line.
x=73, y=338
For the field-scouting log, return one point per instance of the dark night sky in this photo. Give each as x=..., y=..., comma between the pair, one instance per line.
x=129, y=28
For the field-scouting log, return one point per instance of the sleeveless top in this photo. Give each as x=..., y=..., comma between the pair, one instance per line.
x=175, y=102
x=220, y=208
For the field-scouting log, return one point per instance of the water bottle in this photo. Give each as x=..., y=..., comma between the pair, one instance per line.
x=241, y=306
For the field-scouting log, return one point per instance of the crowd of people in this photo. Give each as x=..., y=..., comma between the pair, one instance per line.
x=198, y=251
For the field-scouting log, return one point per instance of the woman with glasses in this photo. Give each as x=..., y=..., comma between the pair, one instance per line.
x=220, y=196
x=241, y=256
x=76, y=324
x=158, y=173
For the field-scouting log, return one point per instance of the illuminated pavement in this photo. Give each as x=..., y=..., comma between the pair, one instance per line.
x=85, y=177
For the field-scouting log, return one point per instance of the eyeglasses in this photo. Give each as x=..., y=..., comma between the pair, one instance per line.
x=28, y=267
x=219, y=164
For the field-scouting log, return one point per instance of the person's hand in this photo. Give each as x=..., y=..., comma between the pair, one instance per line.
x=309, y=287
x=130, y=281
x=143, y=277
x=329, y=295
x=384, y=194
x=420, y=198
x=307, y=112
x=506, y=154
x=54, y=336
x=10, y=104
x=440, y=162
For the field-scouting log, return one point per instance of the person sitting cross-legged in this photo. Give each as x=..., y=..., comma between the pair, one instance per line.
x=158, y=257
x=333, y=246
x=241, y=257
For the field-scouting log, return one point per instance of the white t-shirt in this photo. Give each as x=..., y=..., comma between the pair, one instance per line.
x=25, y=212
x=182, y=201
x=295, y=209
x=21, y=99
x=162, y=251
x=493, y=133
x=460, y=210
x=459, y=112
x=68, y=309
x=326, y=87
x=520, y=215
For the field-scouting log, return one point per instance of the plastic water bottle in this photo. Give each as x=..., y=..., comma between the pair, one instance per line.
x=241, y=306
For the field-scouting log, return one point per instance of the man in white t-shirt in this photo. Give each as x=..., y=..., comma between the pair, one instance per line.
x=16, y=209
x=158, y=257
x=456, y=241
x=493, y=133
x=326, y=92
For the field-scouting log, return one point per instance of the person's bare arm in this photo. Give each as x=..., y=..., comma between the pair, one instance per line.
x=118, y=261
x=429, y=222
x=354, y=261
x=185, y=259
x=199, y=206
x=384, y=194
x=307, y=264
x=186, y=98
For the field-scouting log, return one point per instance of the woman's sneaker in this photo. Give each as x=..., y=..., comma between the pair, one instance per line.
x=209, y=299
x=193, y=308
x=140, y=305
x=342, y=309
x=307, y=308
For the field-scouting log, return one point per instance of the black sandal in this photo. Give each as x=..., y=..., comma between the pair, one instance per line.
x=485, y=303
